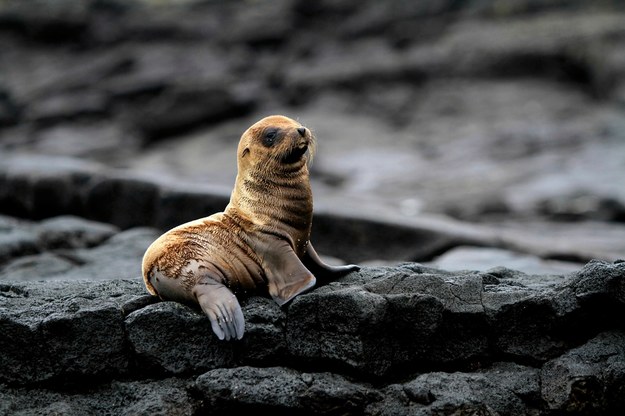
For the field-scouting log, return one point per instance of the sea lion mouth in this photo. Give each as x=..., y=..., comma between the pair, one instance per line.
x=296, y=153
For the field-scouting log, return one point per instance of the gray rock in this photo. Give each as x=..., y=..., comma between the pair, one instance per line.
x=9, y=111
x=146, y=397
x=445, y=332
x=118, y=257
x=572, y=242
x=67, y=252
x=248, y=25
x=36, y=267
x=414, y=317
x=153, y=329
x=73, y=232
x=483, y=259
x=264, y=342
x=42, y=187
x=17, y=238
x=582, y=205
x=282, y=389
x=85, y=139
x=456, y=391
x=125, y=202
x=67, y=106
x=64, y=330
x=503, y=389
x=543, y=325
x=179, y=205
x=589, y=379
x=63, y=20
x=341, y=326
x=403, y=320
x=172, y=338
x=600, y=282
x=451, y=84
x=361, y=236
x=473, y=48
x=184, y=107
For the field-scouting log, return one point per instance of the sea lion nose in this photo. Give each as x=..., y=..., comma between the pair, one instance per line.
x=302, y=131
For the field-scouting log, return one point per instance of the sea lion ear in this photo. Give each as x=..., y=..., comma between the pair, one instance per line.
x=245, y=152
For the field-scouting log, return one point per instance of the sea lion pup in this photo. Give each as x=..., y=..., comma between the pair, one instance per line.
x=260, y=243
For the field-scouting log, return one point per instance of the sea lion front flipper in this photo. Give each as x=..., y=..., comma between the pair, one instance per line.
x=319, y=268
x=286, y=274
x=221, y=307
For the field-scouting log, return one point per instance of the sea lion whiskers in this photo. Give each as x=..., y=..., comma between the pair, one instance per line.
x=312, y=149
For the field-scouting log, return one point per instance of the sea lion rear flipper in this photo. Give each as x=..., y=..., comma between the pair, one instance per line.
x=319, y=268
x=286, y=274
x=221, y=307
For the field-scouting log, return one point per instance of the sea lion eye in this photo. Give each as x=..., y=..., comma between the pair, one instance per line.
x=270, y=137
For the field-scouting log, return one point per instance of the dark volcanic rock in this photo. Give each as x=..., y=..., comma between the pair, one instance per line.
x=92, y=78
x=168, y=397
x=63, y=20
x=36, y=267
x=120, y=256
x=73, y=232
x=264, y=342
x=37, y=187
x=151, y=328
x=9, y=111
x=588, y=379
x=279, y=389
x=178, y=205
x=83, y=139
x=414, y=317
x=388, y=340
x=170, y=337
x=122, y=201
x=68, y=106
x=70, y=248
x=184, y=107
x=63, y=330
x=503, y=389
x=17, y=238
x=600, y=283
x=360, y=237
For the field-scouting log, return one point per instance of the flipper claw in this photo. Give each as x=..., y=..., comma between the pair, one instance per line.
x=222, y=308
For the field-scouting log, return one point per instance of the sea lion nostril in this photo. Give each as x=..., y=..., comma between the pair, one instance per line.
x=301, y=131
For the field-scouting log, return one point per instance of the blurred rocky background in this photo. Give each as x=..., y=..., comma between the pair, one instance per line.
x=505, y=114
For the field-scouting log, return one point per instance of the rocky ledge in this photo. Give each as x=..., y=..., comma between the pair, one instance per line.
x=407, y=339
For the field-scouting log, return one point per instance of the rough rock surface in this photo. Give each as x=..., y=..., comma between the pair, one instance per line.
x=386, y=340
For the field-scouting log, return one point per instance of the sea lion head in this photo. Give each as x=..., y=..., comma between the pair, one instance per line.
x=276, y=141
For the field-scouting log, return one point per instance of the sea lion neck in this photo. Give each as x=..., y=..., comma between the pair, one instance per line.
x=268, y=188
x=274, y=202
